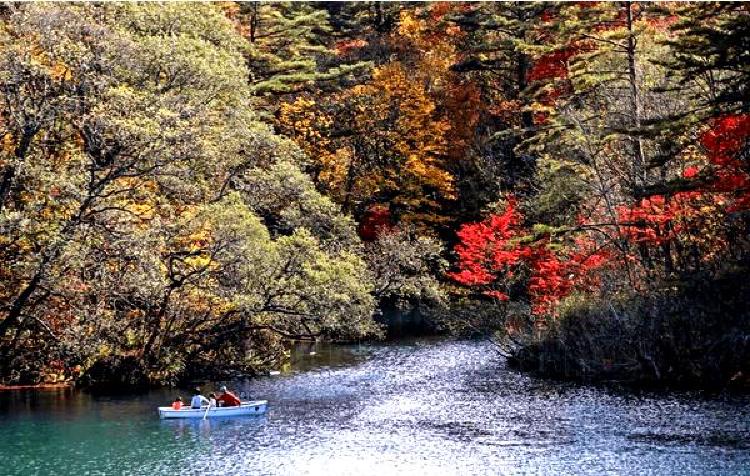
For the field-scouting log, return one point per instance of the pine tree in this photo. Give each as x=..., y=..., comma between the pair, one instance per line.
x=496, y=56
x=499, y=36
x=361, y=19
x=289, y=47
x=708, y=58
x=713, y=47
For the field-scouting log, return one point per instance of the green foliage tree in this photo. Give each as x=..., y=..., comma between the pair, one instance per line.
x=290, y=48
x=711, y=47
x=498, y=54
x=405, y=266
x=126, y=130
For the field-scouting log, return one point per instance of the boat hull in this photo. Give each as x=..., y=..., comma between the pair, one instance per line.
x=257, y=407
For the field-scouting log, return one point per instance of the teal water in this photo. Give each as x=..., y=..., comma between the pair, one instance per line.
x=422, y=407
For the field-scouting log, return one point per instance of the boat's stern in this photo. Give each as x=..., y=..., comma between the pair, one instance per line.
x=256, y=407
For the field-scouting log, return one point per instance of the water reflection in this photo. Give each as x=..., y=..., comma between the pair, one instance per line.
x=421, y=407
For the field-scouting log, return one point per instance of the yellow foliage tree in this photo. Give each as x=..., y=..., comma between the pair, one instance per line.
x=383, y=141
x=397, y=138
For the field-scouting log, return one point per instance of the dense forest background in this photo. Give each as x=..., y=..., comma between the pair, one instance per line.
x=186, y=188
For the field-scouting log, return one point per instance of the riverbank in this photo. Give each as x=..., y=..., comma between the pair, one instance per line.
x=685, y=335
x=41, y=386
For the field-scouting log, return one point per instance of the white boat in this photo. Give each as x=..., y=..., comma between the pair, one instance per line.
x=256, y=407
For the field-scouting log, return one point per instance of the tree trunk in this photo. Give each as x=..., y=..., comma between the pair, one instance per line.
x=10, y=170
x=146, y=354
x=13, y=319
x=635, y=103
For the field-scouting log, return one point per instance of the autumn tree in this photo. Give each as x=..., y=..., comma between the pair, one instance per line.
x=290, y=48
x=406, y=269
x=140, y=128
x=496, y=54
x=637, y=202
x=394, y=151
x=397, y=139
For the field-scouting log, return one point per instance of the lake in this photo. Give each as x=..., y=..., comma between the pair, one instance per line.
x=414, y=407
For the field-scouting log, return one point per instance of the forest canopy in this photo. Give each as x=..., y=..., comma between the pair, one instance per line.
x=187, y=188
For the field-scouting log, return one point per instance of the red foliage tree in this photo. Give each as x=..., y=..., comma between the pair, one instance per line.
x=552, y=65
x=492, y=252
x=376, y=220
x=657, y=219
x=725, y=184
x=488, y=249
x=725, y=143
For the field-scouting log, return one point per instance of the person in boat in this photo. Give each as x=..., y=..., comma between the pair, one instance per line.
x=227, y=398
x=198, y=400
x=177, y=404
x=211, y=399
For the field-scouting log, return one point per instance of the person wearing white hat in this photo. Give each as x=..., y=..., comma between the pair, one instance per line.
x=227, y=398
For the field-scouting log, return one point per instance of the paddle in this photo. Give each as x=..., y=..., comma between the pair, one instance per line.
x=207, y=409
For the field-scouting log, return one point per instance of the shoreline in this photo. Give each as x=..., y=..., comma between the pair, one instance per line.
x=38, y=386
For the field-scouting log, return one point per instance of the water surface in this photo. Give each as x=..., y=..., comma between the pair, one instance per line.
x=421, y=407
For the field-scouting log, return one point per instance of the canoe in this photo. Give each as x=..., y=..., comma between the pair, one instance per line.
x=256, y=407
